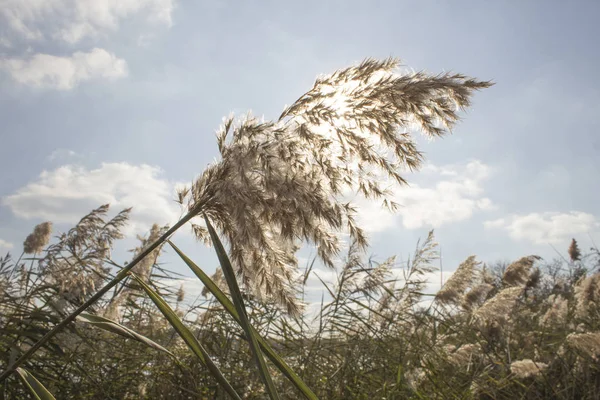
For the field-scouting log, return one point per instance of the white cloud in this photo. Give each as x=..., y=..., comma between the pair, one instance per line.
x=64, y=73
x=548, y=227
x=454, y=195
x=73, y=20
x=66, y=194
x=5, y=245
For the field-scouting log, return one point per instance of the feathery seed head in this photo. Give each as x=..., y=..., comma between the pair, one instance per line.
x=527, y=368
x=587, y=296
x=278, y=183
x=460, y=280
x=474, y=297
x=465, y=355
x=574, y=252
x=588, y=343
x=517, y=273
x=144, y=268
x=38, y=239
x=180, y=294
x=499, y=307
x=534, y=279
x=557, y=312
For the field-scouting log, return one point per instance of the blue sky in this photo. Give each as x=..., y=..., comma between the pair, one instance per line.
x=118, y=101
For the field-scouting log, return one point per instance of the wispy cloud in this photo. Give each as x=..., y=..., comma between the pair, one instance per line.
x=64, y=73
x=548, y=227
x=69, y=192
x=5, y=245
x=454, y=194
x=60, y=154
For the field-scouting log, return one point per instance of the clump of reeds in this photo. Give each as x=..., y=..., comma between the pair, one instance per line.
x=76, y=262
x=375, y=319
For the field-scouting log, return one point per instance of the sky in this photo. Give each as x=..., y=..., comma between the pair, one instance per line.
x=118, y=102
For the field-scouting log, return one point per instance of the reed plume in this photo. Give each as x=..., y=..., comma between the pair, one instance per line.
x=527, y=368
x=574, y=252
x=588, y=343
x=460, y=280
x=38, y=239
x=279, y=183
x=499, y=307
x=558, y=311
x=587, y=296
x=518, y=272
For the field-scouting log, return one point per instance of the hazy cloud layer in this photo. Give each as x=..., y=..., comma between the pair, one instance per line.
x=548, y=227
x=5, y=245
x=454, y=193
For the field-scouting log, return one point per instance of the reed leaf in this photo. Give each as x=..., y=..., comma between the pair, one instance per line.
x=114, y=327
x=230, y=308
x=187, y=336
x=36, y=388
x=238, y=301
